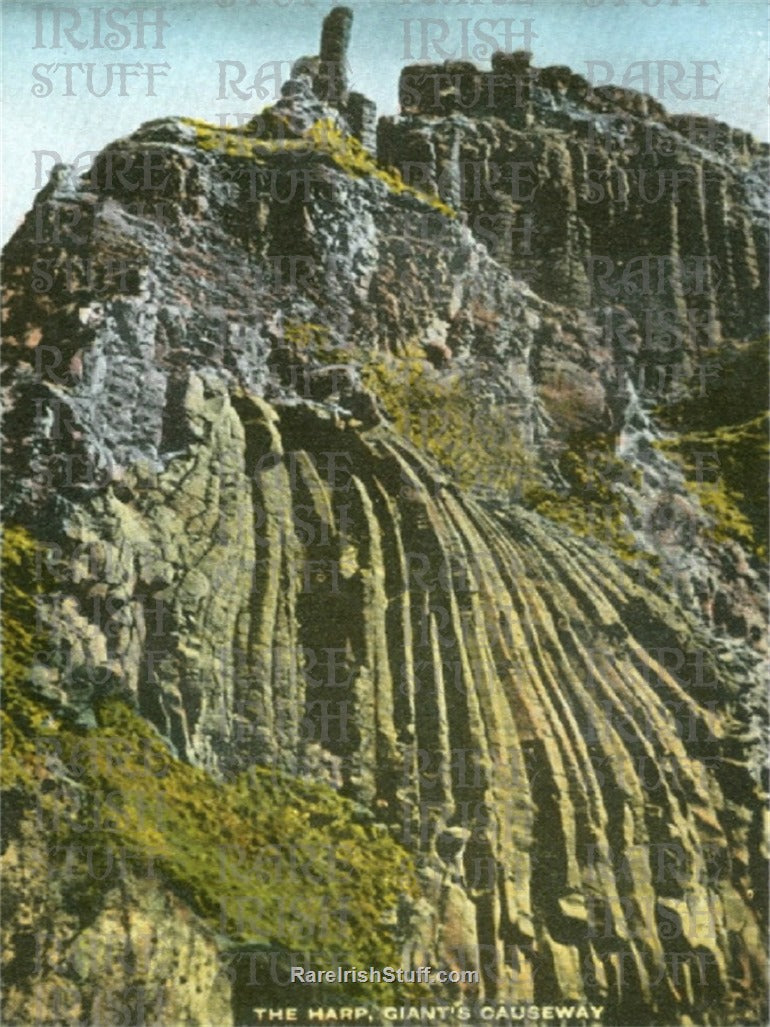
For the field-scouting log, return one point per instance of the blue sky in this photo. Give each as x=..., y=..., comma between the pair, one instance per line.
x=731, y=35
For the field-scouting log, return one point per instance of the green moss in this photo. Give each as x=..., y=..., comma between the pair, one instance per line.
x=479, y=445
x=440, y=412
x=21, y=586
x=727, y=469
x=22, y=717
x=307, y=337
x=355, y=160
x=263, y=858
x=443, y=414
x=720, y=438
x=724, y=457
x=239, y=143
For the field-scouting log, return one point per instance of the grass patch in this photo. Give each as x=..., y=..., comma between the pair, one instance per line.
x=592, y=505
x=479, y=445
x=441, y=412
x=22, y=718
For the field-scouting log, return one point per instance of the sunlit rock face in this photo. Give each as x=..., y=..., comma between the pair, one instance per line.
x=241, y=545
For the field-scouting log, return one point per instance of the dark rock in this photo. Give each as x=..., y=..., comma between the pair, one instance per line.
x=331, y=83
x=362, y=117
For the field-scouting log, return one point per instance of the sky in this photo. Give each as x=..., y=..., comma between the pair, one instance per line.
x=68, y=92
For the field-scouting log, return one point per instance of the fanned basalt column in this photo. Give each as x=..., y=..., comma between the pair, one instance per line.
x=294, y=592
x=244, y=549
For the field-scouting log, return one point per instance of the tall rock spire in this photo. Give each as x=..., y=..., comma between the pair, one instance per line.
x=332, y=84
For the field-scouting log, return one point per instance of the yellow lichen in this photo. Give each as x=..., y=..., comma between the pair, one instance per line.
x=323, y=137
x=353, y=158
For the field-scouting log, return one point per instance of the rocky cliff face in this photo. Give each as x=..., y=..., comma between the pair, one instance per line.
x=218, y=345
x=595, y=196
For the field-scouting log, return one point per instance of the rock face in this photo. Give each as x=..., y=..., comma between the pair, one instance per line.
x=240, y=545
x=595, y=196
x=139, y=957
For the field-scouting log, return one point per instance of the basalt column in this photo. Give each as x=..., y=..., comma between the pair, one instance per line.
x=332, y=82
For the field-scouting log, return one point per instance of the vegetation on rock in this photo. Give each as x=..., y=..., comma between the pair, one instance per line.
x=264, y=858
x=590, y=504
x=721, y=442
x=322, y=137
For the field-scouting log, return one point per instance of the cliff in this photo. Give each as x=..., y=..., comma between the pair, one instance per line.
x=605, y=198
x=338, y=527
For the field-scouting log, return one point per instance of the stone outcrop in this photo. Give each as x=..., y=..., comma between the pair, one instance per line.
x=239, y=544
x=323, y=80
x=595, y=196
x=331, y=83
